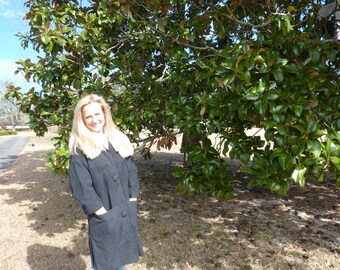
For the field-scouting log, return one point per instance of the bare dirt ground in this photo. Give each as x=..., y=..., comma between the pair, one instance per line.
x=43, y=228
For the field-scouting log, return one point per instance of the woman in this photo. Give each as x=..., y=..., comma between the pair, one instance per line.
x=103, y=178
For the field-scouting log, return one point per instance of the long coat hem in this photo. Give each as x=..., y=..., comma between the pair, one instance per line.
x=108, y=181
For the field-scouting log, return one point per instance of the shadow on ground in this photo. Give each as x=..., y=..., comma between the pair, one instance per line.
x=256, y=230
x=51, y=258
x=52, y=208
x=49, y=210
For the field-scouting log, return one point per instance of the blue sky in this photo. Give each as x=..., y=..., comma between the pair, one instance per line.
x=11, y=21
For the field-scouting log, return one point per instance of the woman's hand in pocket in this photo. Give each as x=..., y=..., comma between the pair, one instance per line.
x=101, y=211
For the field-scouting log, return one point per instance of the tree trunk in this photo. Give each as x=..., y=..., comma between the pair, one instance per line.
x=189, y=141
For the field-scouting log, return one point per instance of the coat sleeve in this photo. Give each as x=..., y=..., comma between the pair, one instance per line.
x=81, y=184
x=133, y=178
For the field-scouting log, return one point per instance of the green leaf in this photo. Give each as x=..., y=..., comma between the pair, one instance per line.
x=269, y=134
x=278, y=74
x=278, y=108
x=131, y=16
x=49, y=47
x=46, y=39
x=315, y=147
x=161, y=25
x=299, y=175
x=315, y=55
x=272, y=95
x=297, y=109
x=280, y=139
x=328, y=146
x=312, y=84
x=291, y=9
x=247, y=169
x=260, y=105
x=311, y=125
x=198, y=158
x=309, y=161
x=336, y=162
x=64, y=77
x=291, y=68
x=297, y=149
x=280, y=62
x=282, y=130
x=273, y=186
x=178, y=172
x=207, y=170
x=298, y=127
x=244, y=76
x=252, y=96
x=228, y=79
x=278, y=118
x=264, y=68
x=270, y=124
x=332, y=148
x=278, y=152
x=244, y=158
x=261, y=86
x=287, y=26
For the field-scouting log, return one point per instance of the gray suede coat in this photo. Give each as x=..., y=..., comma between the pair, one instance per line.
x=108, y=180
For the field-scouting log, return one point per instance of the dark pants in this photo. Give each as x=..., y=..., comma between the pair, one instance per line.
x=120, y=268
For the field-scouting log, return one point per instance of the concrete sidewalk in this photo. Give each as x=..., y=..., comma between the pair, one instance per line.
x=10, y=147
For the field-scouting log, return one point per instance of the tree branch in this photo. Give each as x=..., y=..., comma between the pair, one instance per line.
x=141, y=19
x=232, y=17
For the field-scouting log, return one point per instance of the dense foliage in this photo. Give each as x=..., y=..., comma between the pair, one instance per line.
x=199, y=68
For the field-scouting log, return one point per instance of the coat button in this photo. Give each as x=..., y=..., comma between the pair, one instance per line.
x=115, y=178
x=124, y=214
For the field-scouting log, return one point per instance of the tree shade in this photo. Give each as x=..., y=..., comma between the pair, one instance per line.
x=196, y=68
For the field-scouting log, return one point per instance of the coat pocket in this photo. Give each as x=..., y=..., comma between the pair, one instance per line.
x=113, y=237
x=117, y=223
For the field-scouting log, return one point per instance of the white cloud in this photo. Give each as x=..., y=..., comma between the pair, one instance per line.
x=10, y=11
x=4, y=3
x=12, y=14
x=7, y=74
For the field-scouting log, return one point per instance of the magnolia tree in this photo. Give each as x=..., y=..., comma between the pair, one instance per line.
x=197, y=68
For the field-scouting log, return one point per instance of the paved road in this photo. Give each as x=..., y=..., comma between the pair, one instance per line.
x=10, y=147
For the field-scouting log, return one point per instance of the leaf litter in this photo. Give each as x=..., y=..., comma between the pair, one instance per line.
x=43, y=227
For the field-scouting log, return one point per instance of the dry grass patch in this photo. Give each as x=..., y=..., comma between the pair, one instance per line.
x=42, y=227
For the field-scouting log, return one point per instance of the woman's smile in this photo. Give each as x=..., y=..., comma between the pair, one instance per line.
x=93, y=117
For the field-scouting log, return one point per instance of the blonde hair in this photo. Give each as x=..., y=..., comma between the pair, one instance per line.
x=82, y=138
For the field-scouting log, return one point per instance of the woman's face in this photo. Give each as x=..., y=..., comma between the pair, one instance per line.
x=93, y=117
